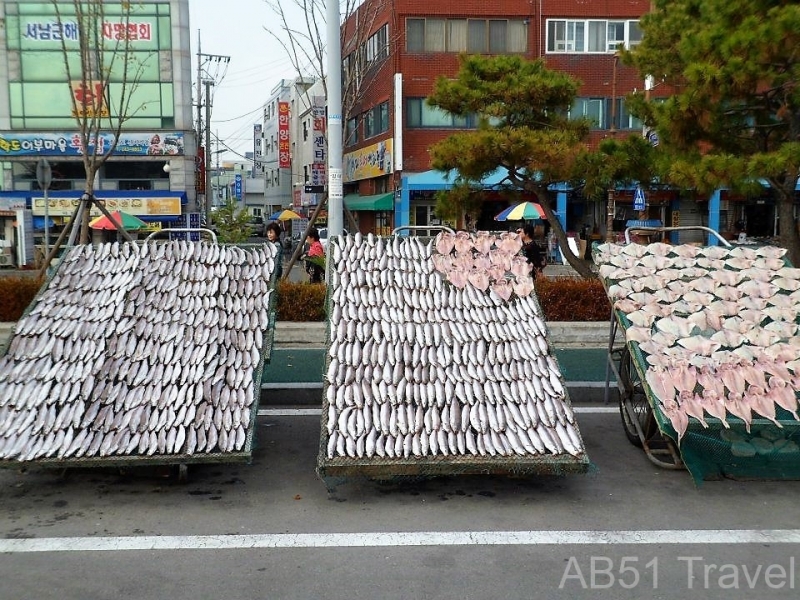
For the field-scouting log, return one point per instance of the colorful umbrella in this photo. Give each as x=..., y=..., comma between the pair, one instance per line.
x=284, y=215
x=521, y=212
x=128, y=221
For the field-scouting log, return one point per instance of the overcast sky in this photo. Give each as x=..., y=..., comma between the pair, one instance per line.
x=235, y=28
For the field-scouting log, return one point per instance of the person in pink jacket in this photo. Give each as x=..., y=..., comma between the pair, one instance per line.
x=315, y=272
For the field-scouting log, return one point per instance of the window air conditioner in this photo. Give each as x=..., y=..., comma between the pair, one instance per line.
x=6, y=260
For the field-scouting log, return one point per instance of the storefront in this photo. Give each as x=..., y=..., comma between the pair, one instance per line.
x=16, y=231
x=373, y=213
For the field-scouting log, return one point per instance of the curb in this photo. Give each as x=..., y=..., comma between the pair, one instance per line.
x=293, y=334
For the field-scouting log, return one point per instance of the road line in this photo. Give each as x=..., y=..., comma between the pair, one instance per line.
x=401, y=538
x=314, y=412
x=315, y=385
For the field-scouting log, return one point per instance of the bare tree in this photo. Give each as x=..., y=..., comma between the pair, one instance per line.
x=103, y=73
x=304, y=44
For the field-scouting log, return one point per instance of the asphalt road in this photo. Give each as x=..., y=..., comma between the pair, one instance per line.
x=273, y=529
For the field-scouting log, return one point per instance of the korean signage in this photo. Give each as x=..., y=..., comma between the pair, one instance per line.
x=8, y=204
x=284, y=148
x=318, y=164
x=18, y=143
x=142, y=207
x=237, y=186
x=639, y=201
x=371, y=161
x=37, y=31
x=89, y=99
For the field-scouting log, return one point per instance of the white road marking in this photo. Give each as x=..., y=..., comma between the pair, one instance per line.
x=315, y=385
x=402, y=538
x=315, y=412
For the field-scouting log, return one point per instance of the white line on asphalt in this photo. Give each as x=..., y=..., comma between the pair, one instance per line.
x=401, y=538
x=314, y=412
x=313, y=385
x=310, y=385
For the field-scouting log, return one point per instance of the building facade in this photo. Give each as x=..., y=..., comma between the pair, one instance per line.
x=393, y=52
x=152, y=171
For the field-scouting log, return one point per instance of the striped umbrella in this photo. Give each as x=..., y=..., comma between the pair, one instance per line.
x=523, y=211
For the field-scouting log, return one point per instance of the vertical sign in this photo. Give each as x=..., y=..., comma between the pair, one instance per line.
x=237, y=186
x=284, y=152
x=320, y=157
x=639, y=199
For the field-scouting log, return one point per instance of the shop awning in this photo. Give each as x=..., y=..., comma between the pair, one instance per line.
x=376, y=202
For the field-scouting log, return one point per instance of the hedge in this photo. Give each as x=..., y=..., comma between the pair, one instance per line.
x=561, y=298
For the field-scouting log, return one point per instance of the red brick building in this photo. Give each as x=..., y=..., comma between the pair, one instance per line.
x=394, y=52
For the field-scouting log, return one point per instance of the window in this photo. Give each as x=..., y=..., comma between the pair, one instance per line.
x=591, y=35
x=420, y=114
x=591, y=108
x=351, y=132
x=626, y=119
x=476, y=36
x=376, y=120
x=377, y=46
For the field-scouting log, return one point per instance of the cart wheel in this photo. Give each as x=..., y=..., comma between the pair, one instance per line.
x=637, y=399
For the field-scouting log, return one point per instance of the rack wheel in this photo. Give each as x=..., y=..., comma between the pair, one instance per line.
x=636, y=399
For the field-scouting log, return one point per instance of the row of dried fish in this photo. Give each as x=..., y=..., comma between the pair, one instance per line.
x=78, y=443
x=165, y=347
x=427, y=384
x=689, y=251
x=431, y=349
x=349, y=250
x=448, y=415
x=456, y=326
x=510, y=442
x=169, y=251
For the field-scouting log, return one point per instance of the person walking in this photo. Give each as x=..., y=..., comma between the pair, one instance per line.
x=315, y=249
x=531, y=251
x=274, y=236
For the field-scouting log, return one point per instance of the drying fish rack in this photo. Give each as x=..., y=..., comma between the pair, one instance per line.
x=179, y=461
x=340, y=469
x=707, y=453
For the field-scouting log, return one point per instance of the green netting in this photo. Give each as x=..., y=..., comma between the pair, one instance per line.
x=767, y=451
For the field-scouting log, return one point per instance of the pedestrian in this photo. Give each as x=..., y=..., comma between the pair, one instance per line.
x=536, y=259
x=274, y=236
x=315, y=249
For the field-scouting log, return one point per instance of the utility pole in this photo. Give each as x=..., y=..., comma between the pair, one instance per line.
x=202, y=61
x=207, y=208
x=334, y=85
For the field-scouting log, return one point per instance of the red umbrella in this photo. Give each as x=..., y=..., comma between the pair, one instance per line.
x=128, y=221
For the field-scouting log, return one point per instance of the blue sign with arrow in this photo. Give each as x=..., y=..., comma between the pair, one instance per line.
x=639, y=200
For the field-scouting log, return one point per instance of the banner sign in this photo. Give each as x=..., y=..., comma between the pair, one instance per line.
x=320, y=158
x=19, y=143
x=284, y=148
x=44, y=30
x=141, y=207
x=370, y=161
x=89, y=99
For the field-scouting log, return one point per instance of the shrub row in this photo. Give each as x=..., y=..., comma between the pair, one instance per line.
x=562, y=299
x=16, y=293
